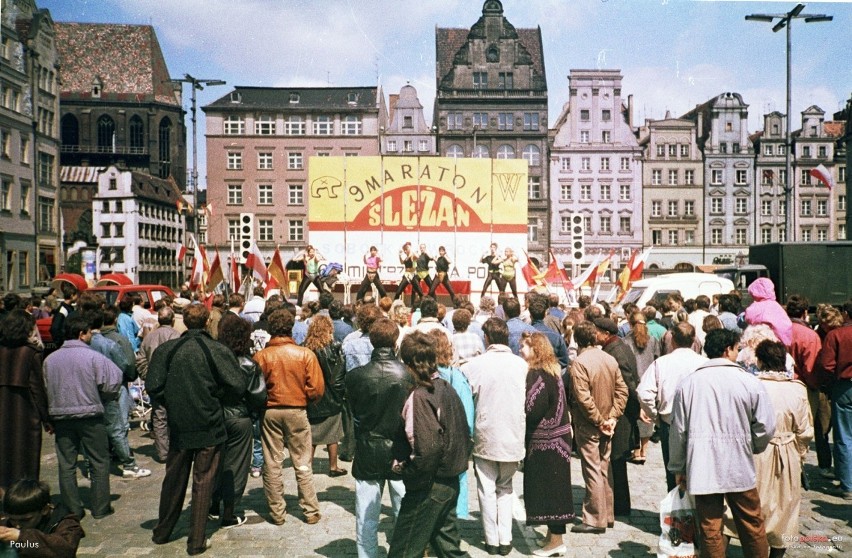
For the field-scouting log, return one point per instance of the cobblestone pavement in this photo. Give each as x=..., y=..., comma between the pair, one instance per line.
x=128, y=531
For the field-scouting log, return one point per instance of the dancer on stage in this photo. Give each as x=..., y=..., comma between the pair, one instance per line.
x=373, y=261
x=507, y=271
x=442, y=277
x=423, y=259
x=492, y=260
x=311, y=257
x=409, y=260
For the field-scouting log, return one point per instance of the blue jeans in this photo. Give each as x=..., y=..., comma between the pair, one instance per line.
x=116, y=415
x=257, y=447
x=368, y=505
x=841, y=421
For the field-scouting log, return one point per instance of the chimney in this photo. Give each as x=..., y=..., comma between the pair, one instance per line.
x=630, y=110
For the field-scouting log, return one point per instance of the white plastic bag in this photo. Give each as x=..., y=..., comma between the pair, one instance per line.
x=679, y=526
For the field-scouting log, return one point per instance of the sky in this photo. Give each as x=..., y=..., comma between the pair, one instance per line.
x=673, y=54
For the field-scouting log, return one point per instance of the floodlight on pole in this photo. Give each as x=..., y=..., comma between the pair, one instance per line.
x=786, y=20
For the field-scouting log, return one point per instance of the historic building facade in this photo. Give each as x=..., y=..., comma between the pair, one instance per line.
x=29, y=140
x=491, y=102
x=407, y=132
x=673, y=192
x=595, y=166
x=259, y=144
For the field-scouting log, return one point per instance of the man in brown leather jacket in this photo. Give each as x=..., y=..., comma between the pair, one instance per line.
x=293, y=378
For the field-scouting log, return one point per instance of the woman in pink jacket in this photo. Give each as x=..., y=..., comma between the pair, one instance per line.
x=766, y=310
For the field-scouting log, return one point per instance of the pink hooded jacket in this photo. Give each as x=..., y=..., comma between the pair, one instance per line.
x=765, y=310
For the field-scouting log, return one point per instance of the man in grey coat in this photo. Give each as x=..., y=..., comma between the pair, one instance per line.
x=721, y=418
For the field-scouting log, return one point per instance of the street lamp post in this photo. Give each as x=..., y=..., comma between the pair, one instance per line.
x=786, y=20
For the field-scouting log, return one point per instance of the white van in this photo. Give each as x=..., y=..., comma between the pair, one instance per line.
x=688, y=285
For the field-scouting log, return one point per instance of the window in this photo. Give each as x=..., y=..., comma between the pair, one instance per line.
x=606, y=136
x=105, y=206
x=766, y=208
x=689, y=208
x=716, y=176
x=264, y=125
x=656, y=177
x=534, y=187
x=656, y=237
x=352, y=125
x=716, y=206
x=25, y=153
x=715, y=236
x=689, y=237
x=841, y=203
x=672, y=177
x=822, y=208
x=233, y=229
x=624, y=192
x=392, y=146
x=106, y=134
x=782, y=208
x=106, y=229
x=423, y=145
x=806, y=151
x=684, y=150
x=565, y=162
x=294, y=125
x=565, y=225
x=296, y=194
x=480, y=120
x=741, y=176
x=234, y=125
x=119, y=207
x=586, y=163
x=25, y=198
x=673, y=237
x=505, y=80
x=656, y=209
x=235, y=194
x=606, y=192
x=584, y=136
x=532, y=229
x=5, y=144
x=295, y=161
x=606, y=115
x=45, y=214
x=407, y=146
x=584, y=115
x=407, y=122
x=585, y=192
x=264, y=161
x=767, y=150
x=841, y=173
x=806, y=235
x=480, y=152
x=264, y=194
x=782, y=234
x=505, y=151
x=454, y=121
x=841, y=231
x=624, y=224
x=822, y=234
x=235, y=160
x=782, y=177
x=119, y=230
x=606, y=224
x=740, y=206
x=782, y=150
x=806, y=177
x=765, y=236
x=689, y=177
x=455, y=151
x=23, y=268
x=295, y=231
x=672, y=150
x=264, y=230
x=323, y=125
x=587, y=224
x=673, y=208
x=480, y=80
x=530, y=121
x=736, y=148
x=661, y=150
x=723, y=147
x=505, y=121
x=625, y=163
x=5, y=193
x=806, y=208
x=532, y=154
x=565, y=192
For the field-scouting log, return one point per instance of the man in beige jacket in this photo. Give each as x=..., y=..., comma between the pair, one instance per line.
x=599, y=396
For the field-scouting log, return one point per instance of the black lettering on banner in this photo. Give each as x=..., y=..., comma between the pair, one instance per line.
x=478, y=194
x=443, y=170
x=456, y=181
x=356, y=192
x=406, y=171
x=373, y=185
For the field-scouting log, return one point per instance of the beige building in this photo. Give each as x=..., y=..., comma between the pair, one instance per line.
x=771, y=177
x=260, y=141
x=673, y=192
x=407, y=132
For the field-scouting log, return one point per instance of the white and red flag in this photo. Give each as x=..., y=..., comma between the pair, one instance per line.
x=254, y=261
x=823, y=175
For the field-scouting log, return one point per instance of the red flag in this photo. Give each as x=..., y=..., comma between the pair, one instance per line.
x=234, y=275
x=254, y=261
x=216, y=274
x=180, y=253
x=271, y=283
x=276, y=269
x=208, y=301
x=556, y=274
x=823, y=175
x=530, y=272
x=638, y=265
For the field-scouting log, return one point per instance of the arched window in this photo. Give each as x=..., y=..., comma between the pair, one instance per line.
x=165, y=141
x=455, y=151
x=106, y=134
x=480, y=152
x=70, y=133
x=532, y=154
x=505, y=151
x=137, y=135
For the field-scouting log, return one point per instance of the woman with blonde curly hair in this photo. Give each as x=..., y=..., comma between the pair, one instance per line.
x=324, y=414
x=547, y=465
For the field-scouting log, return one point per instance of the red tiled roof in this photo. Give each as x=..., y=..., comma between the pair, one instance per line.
x=126, y=58
x=447, y=44
x=834, y=128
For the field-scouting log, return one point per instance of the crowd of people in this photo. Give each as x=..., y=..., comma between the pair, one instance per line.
x=410, y=396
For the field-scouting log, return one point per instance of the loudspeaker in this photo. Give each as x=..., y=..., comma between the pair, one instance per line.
x=246, y=235
x=578, y=244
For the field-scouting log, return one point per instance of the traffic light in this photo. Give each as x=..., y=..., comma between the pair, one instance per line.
x=246, y=235
x=578, y=245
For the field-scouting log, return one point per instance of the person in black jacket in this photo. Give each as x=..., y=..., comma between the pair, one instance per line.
x=430, y=450
x=66, y=308
x=32, y=526
x=192, y=376
x=235, y=333
x=442, y=274
x=376, y=393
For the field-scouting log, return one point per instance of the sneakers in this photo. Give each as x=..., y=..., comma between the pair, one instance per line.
x=255, y=472
x=235, y=522
x=135, y=472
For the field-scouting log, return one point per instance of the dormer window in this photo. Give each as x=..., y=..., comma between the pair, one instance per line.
x=97, y=88
x=236, y=97
x=294, y=98
x=352, y=98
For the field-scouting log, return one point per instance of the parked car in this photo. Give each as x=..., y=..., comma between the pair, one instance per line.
x=688, y=285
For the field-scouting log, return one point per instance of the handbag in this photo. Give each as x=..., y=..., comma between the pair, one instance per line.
x=678, y=526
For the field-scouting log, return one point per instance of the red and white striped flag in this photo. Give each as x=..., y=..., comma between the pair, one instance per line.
x=823, y=175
